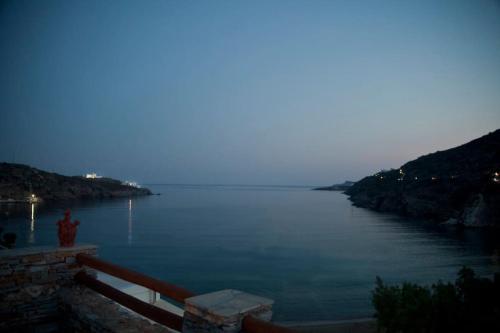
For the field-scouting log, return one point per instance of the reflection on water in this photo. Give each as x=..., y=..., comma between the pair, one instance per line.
x=312, y=252
x=19, y=218
x=129, y=222
x=31, y=237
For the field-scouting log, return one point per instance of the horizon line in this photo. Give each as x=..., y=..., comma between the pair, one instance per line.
x=221, y=184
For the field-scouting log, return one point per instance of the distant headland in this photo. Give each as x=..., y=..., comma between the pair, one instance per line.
x=457, y=186
x=20, y=182
x=336, y=187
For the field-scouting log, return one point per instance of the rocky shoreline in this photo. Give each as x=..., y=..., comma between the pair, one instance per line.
x=19, y=182
x=458, y=186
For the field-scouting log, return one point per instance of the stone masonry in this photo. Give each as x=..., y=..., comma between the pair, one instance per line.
x=38, y=294
x=30, y=279
x=86, y=311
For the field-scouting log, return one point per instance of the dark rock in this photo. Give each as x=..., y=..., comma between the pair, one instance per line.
x=461, y=184
x=18, y=181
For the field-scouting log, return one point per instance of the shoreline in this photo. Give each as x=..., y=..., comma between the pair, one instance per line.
x=361, y=325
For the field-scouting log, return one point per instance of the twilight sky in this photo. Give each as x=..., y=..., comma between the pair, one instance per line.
x=244, y=92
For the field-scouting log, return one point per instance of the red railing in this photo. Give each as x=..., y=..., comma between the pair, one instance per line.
x=250, y=324
x=150, y=311
x=176, y=293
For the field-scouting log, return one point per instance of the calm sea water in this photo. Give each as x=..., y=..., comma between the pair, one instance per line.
x=312, y=252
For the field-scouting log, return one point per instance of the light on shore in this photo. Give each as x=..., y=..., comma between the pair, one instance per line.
x=32, y=198
x=92, y=175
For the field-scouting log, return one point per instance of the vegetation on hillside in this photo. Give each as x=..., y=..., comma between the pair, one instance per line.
x=18, y=181
x=459, y=185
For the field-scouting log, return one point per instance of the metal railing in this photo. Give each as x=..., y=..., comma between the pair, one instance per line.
x=250, y=324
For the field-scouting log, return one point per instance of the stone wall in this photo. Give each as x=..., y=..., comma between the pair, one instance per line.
x=30, y=280
x=38, y=294
x=86, y=311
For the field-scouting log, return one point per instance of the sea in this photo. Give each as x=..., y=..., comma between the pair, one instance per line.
x=312, y=252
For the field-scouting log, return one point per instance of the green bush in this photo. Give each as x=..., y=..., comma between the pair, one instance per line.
x=471, y=304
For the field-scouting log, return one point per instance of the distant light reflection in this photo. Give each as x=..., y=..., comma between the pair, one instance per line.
x=31, y=237
x=129, y=221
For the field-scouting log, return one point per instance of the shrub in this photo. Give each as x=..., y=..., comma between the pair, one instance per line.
x=471, y=304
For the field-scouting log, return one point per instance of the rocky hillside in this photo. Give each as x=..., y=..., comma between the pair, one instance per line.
x=18, y=181
x=459, y=185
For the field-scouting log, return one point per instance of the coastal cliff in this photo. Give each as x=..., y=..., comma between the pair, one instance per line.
x=18, y=181
x=335, y=187
x=458, y=186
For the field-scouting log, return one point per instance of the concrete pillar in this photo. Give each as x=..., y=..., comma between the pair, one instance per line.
x=223, y=311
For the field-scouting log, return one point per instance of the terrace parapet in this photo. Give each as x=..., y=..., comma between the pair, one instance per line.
x=30, y=280
x=223, y=311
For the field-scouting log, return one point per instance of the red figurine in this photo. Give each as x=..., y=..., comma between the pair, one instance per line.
x=67, y=230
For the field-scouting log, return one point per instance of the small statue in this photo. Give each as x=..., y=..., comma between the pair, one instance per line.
x=67, y=230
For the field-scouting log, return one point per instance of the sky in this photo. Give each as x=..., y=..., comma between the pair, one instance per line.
x=244, y=92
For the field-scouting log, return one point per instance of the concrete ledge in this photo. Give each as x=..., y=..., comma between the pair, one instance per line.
x=223, y=311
